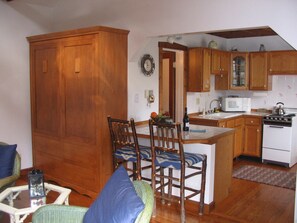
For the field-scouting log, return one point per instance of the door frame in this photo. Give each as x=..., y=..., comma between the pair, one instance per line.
x=164, y=46
x=171, y=55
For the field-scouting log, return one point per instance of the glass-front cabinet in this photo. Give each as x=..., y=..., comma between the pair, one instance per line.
x=239, y=71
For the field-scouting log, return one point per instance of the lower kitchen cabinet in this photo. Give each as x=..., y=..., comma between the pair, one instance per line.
x=239, y=136
x=247, y=135
x=252, y=136
x=238, y=125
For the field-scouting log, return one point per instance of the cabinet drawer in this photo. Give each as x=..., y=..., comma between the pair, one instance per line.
x=252, y=121
x=239, y=121
x=222, y=124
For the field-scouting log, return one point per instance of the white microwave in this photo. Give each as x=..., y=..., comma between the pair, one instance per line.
x=236, y=104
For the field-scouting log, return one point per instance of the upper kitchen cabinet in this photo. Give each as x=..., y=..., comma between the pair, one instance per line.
x=74, y=75
x=199, y=70
x=259, y=78
x=282, y=62
x=239, y=71
x=220, y=66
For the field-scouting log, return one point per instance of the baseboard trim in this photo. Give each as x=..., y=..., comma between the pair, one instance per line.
x=24, y=172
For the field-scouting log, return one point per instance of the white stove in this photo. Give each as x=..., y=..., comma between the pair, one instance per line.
x=279, y=144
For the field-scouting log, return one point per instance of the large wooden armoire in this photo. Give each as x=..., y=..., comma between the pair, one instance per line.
x=78, y=78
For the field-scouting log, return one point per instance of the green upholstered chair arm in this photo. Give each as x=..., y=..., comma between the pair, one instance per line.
x=75, y=214
x=59, y=214
x=145, y=192
x=9, y=181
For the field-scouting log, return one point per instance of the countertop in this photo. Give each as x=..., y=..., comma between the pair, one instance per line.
x=226, y=115
x=197, y=134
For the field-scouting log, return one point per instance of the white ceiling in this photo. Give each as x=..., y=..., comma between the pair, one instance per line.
x=163, y=17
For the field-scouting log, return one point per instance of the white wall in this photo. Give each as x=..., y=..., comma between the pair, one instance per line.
x=14, y=80
x=138, y=108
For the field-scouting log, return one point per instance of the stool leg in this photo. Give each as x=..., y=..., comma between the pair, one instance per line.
x=182, y=194
x=153, y=177
x=169, y=185
x=162, y=184
x=202, y=190
x=134, y=171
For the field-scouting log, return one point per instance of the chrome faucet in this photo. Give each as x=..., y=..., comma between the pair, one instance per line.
x=216, y=109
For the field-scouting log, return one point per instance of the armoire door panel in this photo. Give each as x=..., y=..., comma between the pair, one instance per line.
x=78, y=70
x=47, y=78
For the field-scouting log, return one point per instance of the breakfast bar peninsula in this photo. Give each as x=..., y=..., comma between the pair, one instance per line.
x=217, y=143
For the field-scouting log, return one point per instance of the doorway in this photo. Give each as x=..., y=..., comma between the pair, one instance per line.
x=173, y=62
x=169, y=83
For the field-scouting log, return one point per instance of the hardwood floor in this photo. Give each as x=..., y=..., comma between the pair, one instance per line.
x=248, y=202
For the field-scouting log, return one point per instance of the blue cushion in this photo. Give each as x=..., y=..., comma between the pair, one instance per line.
x=128, y=153
x=165, y=159
x=117, y=202
x=7, y=157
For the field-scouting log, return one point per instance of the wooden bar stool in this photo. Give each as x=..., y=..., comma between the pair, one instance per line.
x=168, y=153
x=126, y=148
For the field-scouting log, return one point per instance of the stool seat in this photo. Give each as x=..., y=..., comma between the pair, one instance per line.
x=128, y=153
x=171, y=160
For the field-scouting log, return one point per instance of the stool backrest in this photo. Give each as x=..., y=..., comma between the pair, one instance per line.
x=166, y=137
x=123, y=134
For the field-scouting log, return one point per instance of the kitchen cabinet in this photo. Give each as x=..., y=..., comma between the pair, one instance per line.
x=252, y=136
x=199, y=70
x=238, y=138
x=259, y=77
x=239, y=71
x=247, y=135
x=74, y=75
x=236, y=123
x=282, y=62
x=220, y=66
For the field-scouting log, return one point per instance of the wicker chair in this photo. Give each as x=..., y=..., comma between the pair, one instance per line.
x=10, y=181
x=75, y=214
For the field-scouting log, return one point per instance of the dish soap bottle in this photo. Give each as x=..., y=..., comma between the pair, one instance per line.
x=186, y=121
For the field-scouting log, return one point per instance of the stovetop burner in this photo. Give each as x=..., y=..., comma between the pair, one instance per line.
x=284, y=115
x=282, y=120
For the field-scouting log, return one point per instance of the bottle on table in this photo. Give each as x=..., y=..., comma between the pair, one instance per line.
x=186, y=121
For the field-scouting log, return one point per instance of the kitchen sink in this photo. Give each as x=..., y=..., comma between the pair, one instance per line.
x=220, y=115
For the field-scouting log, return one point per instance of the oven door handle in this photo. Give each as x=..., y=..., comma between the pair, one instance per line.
x=277, y=127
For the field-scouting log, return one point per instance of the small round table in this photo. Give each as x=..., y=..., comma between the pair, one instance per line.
x=19, y=214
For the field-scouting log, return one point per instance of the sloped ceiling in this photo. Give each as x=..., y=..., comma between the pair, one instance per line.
x=158, y=18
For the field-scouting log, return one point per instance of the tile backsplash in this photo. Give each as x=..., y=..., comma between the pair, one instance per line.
x=284, y=89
